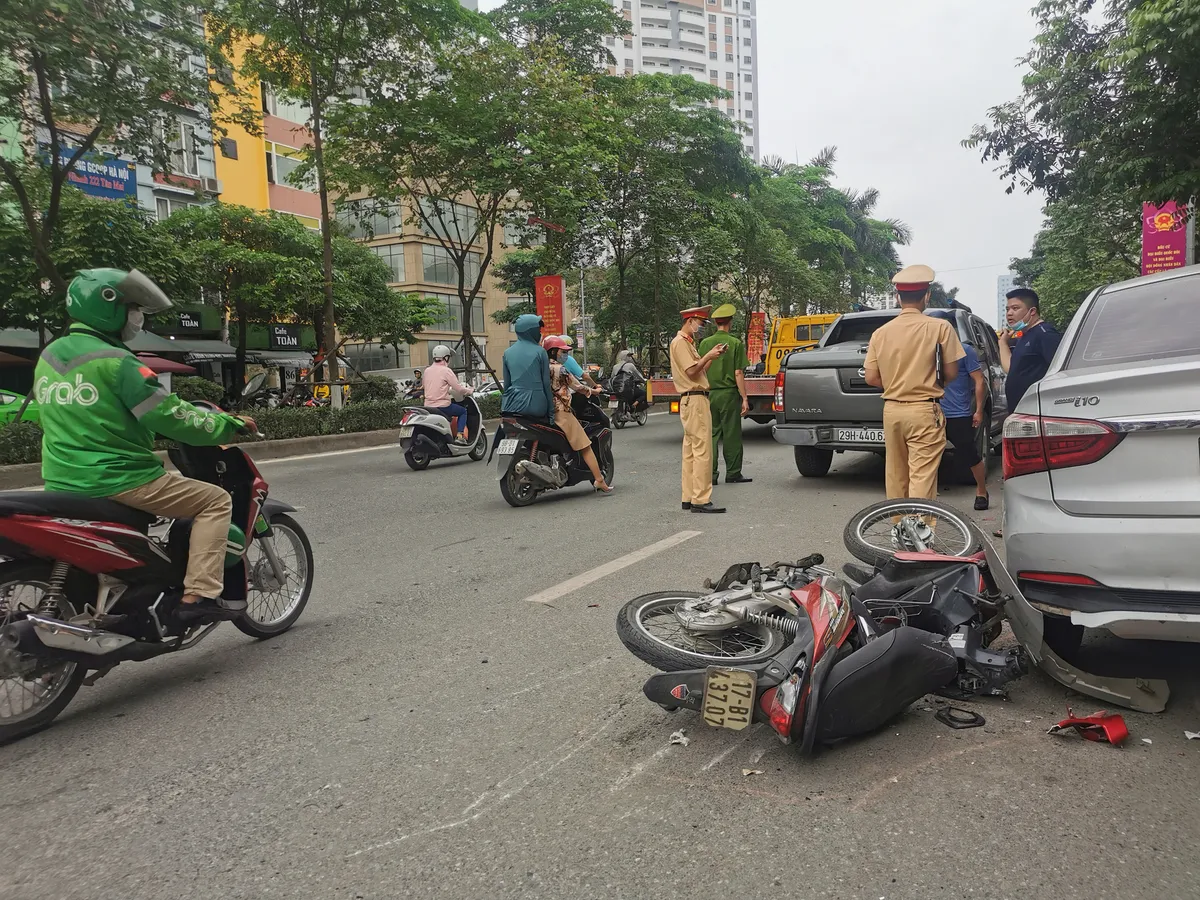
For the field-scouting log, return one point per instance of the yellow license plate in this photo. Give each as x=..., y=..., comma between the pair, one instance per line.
x=729, y=698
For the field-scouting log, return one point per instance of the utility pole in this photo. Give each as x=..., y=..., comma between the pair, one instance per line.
x=583, y=315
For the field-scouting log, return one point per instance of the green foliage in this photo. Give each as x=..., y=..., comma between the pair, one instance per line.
x=578, y=27
x=489, y=407
x=20, y=442
x=297, y=422
x=193, y=389
x=368, y=309
x=373, y=388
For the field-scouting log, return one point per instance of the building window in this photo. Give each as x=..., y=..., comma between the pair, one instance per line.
x=185, y=150
x=712, y=54
x=712, y=18
x=747, y=77
x=454, y=222
x=367, y=219
x=729, y=21
x=747, y=60
x=439, y=267
x=749, y=96
x=372, y=357
x=747, y=41
x=393, y=257
x=629, y=64
x=451, y=317
x=746, y=5
x=745, y=23
x=712, y=73
x=729, y=38
x=166, y=206
x=712, y=35
x=629, y=42
x=519, y=234
x=291, y=110
x=728, y=57
x=282, y=162
x=749, y=114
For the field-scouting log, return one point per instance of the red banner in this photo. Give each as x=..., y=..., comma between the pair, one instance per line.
x=550, y=291
x=1164, y=237
x=754, y=339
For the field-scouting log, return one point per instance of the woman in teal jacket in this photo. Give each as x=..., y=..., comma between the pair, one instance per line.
x=527, y=389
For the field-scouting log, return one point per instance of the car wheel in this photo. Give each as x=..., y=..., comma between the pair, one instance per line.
x=812, y=462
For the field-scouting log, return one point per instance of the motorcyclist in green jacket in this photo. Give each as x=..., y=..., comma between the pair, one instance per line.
x=101, y=408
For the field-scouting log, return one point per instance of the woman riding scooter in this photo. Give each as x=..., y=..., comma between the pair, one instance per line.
x=563, y=383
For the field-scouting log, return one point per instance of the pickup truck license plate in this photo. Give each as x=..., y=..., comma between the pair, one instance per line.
x=406, y=431
x=860, y=435
x=729, y=698
x=507, y=447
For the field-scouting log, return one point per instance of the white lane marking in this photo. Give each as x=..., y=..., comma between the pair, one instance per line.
x=286, y=459
x=623, y=562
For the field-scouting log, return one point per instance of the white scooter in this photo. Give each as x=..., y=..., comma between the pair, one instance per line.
x=425, y=435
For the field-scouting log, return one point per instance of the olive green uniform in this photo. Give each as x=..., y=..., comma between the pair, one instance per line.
x=725, y=401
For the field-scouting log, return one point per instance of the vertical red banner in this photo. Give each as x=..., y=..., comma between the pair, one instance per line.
x=754, y=338
x=549, y=291
x=1164, y=237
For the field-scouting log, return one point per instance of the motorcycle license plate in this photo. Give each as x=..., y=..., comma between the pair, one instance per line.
x=507, y=447
x=612, y=404
x=729, y=697
x=406, y=431
x=860, y=435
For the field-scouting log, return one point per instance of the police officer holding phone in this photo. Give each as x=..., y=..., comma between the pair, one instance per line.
x=912, y=358
x=689, y=372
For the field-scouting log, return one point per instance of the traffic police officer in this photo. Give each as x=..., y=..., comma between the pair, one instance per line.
x=689, y=372
x=904, y=359
x=727, y=396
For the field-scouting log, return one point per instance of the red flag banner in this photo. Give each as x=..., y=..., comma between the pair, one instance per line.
x=1164, y=237
x=549, y=291
x=754, y=339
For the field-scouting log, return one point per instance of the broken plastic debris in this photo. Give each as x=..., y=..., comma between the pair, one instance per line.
x=752, y=771
x=680, y=738
x=1099, y=726
x=1147, y=741
x=1192, y=735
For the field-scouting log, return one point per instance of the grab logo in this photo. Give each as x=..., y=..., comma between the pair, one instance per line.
x=64, y=393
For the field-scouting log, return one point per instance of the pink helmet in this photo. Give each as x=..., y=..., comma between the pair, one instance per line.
x=555, y=342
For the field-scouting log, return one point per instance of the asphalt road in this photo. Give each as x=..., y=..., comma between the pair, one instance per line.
x=424, y=731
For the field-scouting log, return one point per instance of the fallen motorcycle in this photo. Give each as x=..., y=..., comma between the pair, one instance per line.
x=851, y=654
x=86, y=585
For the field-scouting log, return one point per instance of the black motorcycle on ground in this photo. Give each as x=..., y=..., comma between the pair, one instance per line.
x=533, y=456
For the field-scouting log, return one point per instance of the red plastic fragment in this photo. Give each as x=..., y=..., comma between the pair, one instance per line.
x=1102, y=726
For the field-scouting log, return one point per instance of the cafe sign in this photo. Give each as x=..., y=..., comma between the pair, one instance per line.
x=284, y=337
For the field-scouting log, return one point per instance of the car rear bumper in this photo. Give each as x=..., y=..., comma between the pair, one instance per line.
x=824, y=437
x=1147, y=585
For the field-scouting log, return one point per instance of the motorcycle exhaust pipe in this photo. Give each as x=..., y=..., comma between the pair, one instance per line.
x=62, y=635
x=544, y=475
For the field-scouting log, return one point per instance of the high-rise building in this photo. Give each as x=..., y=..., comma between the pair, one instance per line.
x=711, y=40
x=1004, y=284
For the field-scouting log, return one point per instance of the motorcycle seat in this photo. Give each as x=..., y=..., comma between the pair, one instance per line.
x=73, y=506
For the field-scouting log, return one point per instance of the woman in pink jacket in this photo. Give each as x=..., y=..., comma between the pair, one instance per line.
x=442, y=388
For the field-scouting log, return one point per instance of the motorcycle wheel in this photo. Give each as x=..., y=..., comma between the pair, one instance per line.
x=618, y=420
x=516, y=492
x=648, y=628
x=480, y=449
x=40, y=699
x=642, y=417
x=416, y=461
x=273, y=608
x=870, y=537
x=608, y=468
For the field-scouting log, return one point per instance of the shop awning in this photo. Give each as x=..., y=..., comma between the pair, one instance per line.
x=145, y=342
x=20, y=338
x=298, y=359
x=199, y=350
x=160, y=366
x=8, y=359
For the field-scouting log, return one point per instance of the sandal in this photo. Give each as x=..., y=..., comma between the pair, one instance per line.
x=606, y=490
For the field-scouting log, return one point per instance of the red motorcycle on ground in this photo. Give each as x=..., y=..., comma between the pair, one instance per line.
x=87, y=584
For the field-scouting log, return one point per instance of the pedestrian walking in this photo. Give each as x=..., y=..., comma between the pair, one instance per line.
x=1026, y=346
x=963, y=421
x=689, y=372
x=911, y=358
x=727, y=399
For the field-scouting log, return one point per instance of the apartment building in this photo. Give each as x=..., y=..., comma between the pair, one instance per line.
x=711, y=40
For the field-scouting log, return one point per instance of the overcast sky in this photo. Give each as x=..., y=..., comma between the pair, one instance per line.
x=895, y=87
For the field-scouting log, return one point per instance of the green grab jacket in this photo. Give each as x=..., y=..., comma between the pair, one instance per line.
x=101, y=408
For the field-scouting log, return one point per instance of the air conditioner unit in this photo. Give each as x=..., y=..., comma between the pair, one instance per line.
x=212, y=185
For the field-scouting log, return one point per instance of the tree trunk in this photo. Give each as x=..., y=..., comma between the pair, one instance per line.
x=239, y=360
x=328, y=315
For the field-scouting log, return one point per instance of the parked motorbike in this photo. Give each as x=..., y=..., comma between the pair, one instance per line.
x=86, y=586
x=917, y=622
x=533, y=456
x=425, y=435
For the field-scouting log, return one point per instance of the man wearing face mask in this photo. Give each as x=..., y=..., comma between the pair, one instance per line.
x=1026, y=346
x=689, y=373
x=101, y=408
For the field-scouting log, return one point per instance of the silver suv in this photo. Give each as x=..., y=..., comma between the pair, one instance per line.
x=1102, y=468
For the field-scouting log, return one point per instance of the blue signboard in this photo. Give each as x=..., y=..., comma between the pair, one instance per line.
x=100, y=176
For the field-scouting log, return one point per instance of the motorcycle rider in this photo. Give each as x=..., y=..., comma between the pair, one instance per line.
x=565, y=384
x=442, y=389
x=101, y=408
x=526, y=366
x=626, y=362
x=583, y=409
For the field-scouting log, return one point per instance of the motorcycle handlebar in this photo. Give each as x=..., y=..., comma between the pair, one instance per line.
x=814, y=559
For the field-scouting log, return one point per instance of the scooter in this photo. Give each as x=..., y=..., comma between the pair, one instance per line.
x=626, y=411
x=425, y=435
x=534, y=456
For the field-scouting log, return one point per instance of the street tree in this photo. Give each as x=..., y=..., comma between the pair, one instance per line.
x=486, y=133
x=515, y=274
x=579, y=28
x=79, y=78
x=319, y=54
x=91, y=232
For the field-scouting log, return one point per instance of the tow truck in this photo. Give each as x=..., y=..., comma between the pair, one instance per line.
x=789, y=334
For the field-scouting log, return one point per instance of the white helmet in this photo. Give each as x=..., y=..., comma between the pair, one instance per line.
x=570, y=341
x=441, y=351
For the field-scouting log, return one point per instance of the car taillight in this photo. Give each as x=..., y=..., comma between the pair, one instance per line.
x=777, y=403
x=1041, y=443
x=1059, y=578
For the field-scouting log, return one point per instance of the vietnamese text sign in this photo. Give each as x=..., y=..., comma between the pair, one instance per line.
x=754, y=339
x=99, y=176
x=284, y=337
x=1164, y=237
x=549, y=291
x=190, y=321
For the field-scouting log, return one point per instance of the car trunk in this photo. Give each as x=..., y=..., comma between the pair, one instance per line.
x=828, y=384
x=1155, y=469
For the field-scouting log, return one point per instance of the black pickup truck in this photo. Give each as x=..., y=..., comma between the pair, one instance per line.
x=823, y=404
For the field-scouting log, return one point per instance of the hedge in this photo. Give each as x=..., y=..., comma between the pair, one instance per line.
x=192, y=389
x=22, y=442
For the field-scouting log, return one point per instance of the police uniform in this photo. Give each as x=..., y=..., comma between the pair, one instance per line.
x=905, y=352
x=724, y=398
x=694, y=414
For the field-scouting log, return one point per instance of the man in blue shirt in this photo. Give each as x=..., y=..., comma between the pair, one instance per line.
x=962, y=422
x=584, y=409
x=1026, y=346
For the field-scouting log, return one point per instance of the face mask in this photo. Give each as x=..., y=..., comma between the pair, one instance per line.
x=134, y=319
x=1020, y=326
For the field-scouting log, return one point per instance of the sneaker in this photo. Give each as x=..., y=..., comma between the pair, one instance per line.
x=209, y=610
